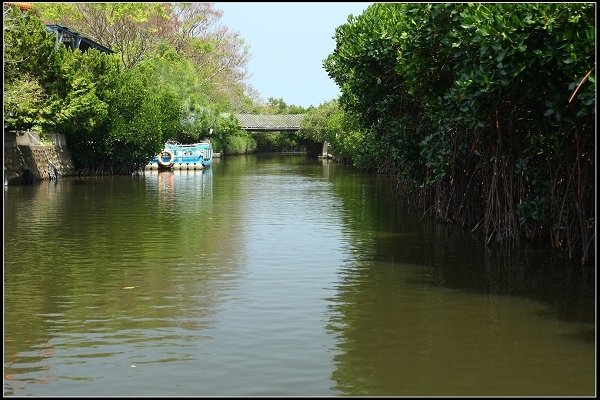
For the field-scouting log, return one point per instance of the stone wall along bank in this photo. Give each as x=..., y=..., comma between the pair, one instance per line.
x=27, y=159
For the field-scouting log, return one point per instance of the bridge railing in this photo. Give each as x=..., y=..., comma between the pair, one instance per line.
x=276, y=122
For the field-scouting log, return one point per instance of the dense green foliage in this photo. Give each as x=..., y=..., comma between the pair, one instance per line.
x=175, y=75
x=116, y=114
x=484, y=111
x=279, y=106
x=329, y=123
x=30, y=64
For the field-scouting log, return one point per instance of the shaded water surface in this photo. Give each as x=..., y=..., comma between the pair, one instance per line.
x=276, y=276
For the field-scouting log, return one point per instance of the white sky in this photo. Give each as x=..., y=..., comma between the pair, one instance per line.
x=288, y=43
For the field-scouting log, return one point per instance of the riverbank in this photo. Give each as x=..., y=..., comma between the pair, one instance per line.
x=27, y=159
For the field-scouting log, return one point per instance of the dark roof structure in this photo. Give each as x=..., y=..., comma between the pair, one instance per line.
x=74, y=40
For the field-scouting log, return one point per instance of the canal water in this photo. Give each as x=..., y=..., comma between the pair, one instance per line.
x=277, y=275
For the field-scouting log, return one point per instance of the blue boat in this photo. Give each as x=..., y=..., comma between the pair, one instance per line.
x=177, y=156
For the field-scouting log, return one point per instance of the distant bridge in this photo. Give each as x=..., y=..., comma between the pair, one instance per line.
x=276, y=122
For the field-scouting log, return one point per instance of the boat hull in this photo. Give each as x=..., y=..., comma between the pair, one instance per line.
x=154, y=166
x=176, y=156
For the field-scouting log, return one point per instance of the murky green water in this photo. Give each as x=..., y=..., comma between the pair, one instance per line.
x=276, y=276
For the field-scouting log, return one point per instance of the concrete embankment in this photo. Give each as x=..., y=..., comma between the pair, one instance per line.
x=27, y=159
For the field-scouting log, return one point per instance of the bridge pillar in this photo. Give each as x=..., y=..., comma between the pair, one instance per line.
x=325, y=152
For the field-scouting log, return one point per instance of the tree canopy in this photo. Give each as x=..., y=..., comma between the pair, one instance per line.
x=174, y=72
x=484, y=111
